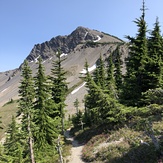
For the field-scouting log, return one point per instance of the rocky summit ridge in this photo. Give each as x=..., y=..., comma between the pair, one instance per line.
x=68, y=43
x=81, y=45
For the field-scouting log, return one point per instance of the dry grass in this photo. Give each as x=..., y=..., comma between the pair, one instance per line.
x=6, y=113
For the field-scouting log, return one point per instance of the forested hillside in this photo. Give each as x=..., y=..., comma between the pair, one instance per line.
x=121, y=120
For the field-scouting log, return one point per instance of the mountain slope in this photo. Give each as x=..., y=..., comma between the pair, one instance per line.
x=81, y=45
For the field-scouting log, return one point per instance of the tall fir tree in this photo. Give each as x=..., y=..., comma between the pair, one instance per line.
x=100, y=74
x=90, y=99
x=59, y=85
x=118, y=67
x=155, y=43
x=26, y=93
x=137, y=78
x=46, y=125
x=111, y=84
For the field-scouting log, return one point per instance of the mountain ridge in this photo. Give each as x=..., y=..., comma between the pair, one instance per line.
x=67, y=43
x=83, y=44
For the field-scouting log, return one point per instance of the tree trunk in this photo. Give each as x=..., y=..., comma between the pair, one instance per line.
x=30, y=142
x=59, y=150
x=63, y=127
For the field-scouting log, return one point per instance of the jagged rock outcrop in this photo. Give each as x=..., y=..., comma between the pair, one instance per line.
x=67, y=43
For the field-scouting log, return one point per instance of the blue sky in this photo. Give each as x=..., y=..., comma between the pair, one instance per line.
x=26, y=23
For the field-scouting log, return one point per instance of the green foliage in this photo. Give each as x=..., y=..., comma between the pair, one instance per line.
x=137, y=76
x=110, y=80
x=14, y=145
x=76, y=104
x=118, y=71
x=100, y=74
x=153, y=96
x=59, y=86
x=45, y=124
x=77, y=119
x=26, y=93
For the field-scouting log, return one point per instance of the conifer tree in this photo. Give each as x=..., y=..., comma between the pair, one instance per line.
x=118, y=71
x=100, y=106
x=46, y=126
x=111, y=85
x=13, y=146
x=26, y=93
x=59, y=86
x=100, y=74
x=90, y=99
x=155, y=43
x=137, y=78
x=76, y=104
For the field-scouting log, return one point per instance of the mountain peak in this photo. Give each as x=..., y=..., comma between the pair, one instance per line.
x=67, y=43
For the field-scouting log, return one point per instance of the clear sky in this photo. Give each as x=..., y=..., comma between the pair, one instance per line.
x=24, y=23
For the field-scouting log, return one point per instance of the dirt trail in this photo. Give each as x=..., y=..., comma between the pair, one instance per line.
x=76, y=150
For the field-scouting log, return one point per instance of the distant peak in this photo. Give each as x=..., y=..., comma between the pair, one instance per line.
x=82, y=28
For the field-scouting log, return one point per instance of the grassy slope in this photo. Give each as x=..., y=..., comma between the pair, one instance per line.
x=6, y=113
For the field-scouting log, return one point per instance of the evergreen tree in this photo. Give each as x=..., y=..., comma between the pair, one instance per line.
x=155, y=43
x=137, y=78
x=90, y=99
x=26, y=93
x=100, y=74
x=59, y=86
x=46, y=126
x=76, y=104
x=13, y=146
x=100, y=106
x=118, y=71
x=111, y=85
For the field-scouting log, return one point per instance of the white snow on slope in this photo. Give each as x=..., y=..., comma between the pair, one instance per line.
x=85, y=35
x=77, y=89
x=98, y=39
x=4, y=90
x=36, y=59
x=89, y=69
x=44, y=61
x=63, y=54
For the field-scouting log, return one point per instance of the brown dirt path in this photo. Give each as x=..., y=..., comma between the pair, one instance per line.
x=76, y=150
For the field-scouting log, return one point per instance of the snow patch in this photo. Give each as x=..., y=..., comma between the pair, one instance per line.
x=98, y=39
x=44, y=61
x=85, y=35
x=89, y=69
x=36, y=59
x=77, y=89
x=4, y=90
x=50, y=58
x=63, y=54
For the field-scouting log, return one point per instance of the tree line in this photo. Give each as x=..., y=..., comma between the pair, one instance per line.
x=41, y=115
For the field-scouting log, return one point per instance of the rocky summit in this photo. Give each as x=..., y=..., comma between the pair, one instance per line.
x=82, y=45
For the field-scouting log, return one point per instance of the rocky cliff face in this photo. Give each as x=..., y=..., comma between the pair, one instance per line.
x=68, y=43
